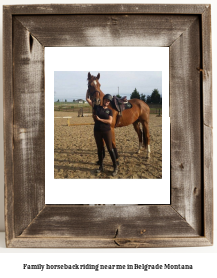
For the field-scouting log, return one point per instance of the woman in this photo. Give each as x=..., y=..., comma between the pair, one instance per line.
x=102, y=131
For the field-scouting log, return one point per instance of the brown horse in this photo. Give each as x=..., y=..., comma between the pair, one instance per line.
x=139, y=113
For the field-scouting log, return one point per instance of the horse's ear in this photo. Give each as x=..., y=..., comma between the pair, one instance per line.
x=98, y=76
x=89, y=76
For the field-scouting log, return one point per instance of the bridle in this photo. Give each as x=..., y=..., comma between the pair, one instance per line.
x=97, y=100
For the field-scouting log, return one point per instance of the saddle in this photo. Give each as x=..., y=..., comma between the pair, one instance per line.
x=120, y=104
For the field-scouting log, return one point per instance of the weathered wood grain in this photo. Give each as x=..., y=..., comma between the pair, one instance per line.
x=29, y=140
x=208, y=182
x=8, y=125
x=186, y=133
x=109, y=222
x=68, y=242
x=207, y=122
x=106, y=9
x=207, y=66
x=107, y=30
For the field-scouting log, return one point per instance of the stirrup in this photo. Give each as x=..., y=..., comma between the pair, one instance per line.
x=118, y=119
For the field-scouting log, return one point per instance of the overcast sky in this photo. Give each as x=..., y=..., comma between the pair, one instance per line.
x=73, y=84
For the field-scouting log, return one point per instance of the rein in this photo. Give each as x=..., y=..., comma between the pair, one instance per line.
x=93, y=80
x=94, y=93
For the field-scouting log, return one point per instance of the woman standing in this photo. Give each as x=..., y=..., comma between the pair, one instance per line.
x=102, y=131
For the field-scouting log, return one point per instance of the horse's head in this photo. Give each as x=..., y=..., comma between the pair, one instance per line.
x=94, y=88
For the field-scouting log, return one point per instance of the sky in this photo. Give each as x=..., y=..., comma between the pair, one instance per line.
x=73, y=84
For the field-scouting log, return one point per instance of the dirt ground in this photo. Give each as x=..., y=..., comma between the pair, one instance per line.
x=75, y=152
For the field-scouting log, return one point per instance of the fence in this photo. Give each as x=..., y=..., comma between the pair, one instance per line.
x=154, y=109
x=72, y=108
x=81, y=113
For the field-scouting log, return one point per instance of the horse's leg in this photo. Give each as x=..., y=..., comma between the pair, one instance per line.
x=114, y=144
x=146, y=137
x=139, y=132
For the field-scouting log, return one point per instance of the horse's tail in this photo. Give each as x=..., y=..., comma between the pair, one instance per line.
x=145, y=138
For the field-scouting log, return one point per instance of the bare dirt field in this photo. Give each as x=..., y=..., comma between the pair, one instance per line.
x=75, y=152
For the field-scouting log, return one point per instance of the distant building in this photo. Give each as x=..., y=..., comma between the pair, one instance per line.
x=79, y=101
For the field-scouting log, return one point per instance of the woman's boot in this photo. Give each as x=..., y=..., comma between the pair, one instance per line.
x=113, y=157
x=100, y=156
x=103, y=156
x=116, y=155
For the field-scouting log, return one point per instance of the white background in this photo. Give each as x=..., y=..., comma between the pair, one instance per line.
x=204, y=259
x=79, y=191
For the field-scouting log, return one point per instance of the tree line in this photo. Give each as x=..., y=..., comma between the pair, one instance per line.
x=155, y=97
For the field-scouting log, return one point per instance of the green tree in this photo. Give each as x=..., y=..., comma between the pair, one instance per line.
x=65, y=100
x=148, y=99
x=118, y=96
x=143, y=97
x=155, y=96
x=135, y=94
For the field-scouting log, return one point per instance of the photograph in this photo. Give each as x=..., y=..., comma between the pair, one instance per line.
x=108, y=121
x=108, y=125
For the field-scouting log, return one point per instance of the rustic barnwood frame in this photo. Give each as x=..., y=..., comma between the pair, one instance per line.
x=186, y=30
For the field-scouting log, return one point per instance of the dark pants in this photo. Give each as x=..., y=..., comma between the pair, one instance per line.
x=99, y=136
x=107, y=136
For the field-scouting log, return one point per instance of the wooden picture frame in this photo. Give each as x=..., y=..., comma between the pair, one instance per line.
x=186, y=30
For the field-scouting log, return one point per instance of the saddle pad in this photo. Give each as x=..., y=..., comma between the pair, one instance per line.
x=128, y=105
